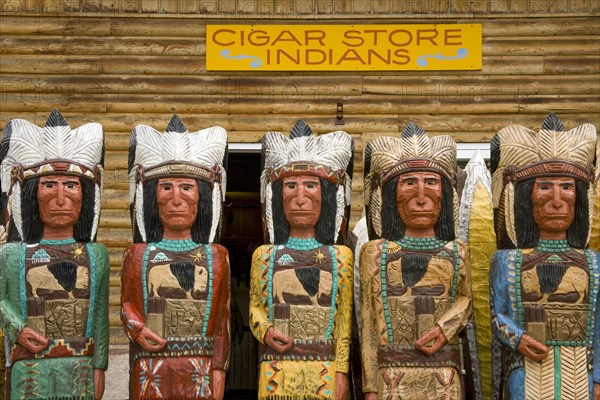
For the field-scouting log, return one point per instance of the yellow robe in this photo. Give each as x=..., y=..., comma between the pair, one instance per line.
x=311, y=319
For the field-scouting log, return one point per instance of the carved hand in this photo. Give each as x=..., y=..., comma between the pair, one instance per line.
x=371, y=396
x=278, y=341
x=532, y=349
x=341, y=386
x=218, y=384
x=596, y=391
x=149, y=340
x=434, y=335
x=31, y=340
x=98, y=383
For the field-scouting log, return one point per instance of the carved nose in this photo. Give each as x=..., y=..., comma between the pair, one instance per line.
x=176, y=197
x=556, y=200
x=420, y=194
x=60, y=195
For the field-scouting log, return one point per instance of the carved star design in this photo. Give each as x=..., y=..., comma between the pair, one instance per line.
x=198, y=256
x=77, y=251
x=319, y=257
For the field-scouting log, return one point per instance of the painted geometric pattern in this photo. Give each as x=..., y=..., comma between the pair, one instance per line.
x=58, y=378
x=539, y=378
x=293, y=380
x=573, y=373
x=419, y=384
x=150, y=377
x=201, y=377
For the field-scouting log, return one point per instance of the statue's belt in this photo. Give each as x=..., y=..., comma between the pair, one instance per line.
x=180, y=346
x=67, y=347
x=408, y=356
x=302, y=350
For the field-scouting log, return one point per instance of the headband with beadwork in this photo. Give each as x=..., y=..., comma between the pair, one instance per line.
x=29, y=151
x=387, y=157
x=177, y=152
x=327, y=156
x=518, y=154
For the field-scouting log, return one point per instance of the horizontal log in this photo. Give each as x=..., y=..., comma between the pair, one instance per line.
x=121, y=65
x=185, y=27
x=484, y=85
x=56, y=26
x=241, y=87
x=194, y=65
x=119, y=219
x=101, y=46
x=583, y=45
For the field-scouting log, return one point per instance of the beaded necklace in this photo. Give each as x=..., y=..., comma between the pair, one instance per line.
x=553, y=246
x=302, y=243
x=416, y=243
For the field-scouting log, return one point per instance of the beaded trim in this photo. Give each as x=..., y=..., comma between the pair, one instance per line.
x=270, y=281
x=456, y=265
x=22, y=292
x=553, y=246
x=60, y=242
x=518, y=261
x=384, y=300
x=92, y=275
x=302, y=244
x=210, y=287
x=176, y=246
x=334, y=289
x=414, y=243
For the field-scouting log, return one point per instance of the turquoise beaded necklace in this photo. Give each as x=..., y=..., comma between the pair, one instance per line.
x=415, y=243
x=302, y=244
x=553, y=246
x=177, y=246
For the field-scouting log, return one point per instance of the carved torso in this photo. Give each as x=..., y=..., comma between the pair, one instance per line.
x=177, y=286
x=555, y=295
x=420, y=287
x=57, y=289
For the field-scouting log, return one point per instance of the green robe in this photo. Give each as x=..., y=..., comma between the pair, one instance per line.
x=68, y=305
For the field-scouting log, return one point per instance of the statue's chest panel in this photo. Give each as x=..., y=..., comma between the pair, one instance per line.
x=57, y=286
x=177, y=286
x=555, y=295
x=419, y=289
x=302, y=291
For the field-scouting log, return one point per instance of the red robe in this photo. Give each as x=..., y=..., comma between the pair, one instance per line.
x=192, y=308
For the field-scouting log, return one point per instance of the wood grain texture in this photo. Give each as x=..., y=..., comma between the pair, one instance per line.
x=123, y=63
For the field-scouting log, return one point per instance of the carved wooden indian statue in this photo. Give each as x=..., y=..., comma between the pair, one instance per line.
x=415, y=284
x=53, y=279
x=175, y=285
x=543, y=282
x=301, y=283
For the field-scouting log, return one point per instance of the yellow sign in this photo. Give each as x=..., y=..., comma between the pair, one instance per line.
x=343, y=47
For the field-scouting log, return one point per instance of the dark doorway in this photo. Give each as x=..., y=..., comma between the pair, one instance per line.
x=242, y=234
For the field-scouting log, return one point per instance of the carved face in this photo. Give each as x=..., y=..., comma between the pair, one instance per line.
x=177, y=200
x=553, y=206
x=59, y=198
x=302, y=202
x=419, y=202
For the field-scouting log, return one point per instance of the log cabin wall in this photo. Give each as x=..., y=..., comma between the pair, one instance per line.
x=123, y=63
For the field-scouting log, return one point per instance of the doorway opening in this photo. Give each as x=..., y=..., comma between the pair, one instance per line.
x=242, y=234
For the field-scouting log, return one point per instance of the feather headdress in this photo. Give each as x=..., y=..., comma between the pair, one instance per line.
x=518, y=154
x=327, y=156
x=387, y=157
x=177, y=152
x=29, y=151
